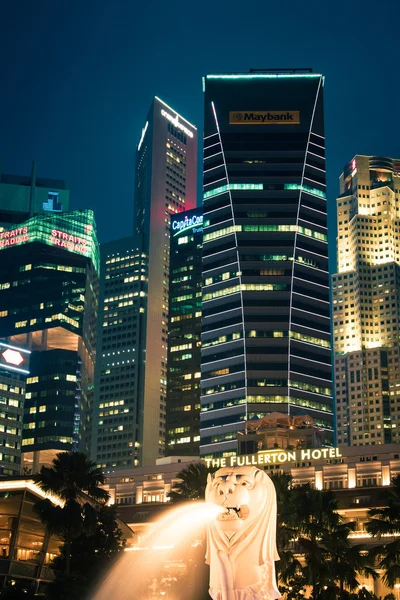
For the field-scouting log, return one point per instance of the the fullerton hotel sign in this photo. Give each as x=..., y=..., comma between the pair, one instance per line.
x=273, y=457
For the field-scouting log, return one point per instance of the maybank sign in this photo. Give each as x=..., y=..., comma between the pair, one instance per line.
x=264, y=117
x=176, y=122
x=273, y=457
x=195, y=223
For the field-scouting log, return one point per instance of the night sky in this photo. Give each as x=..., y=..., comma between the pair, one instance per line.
x=77, y=78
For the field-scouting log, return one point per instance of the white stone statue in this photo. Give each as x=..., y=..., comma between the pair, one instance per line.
x=241, y=542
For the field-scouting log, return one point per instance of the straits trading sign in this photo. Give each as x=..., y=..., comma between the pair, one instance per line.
x=264, y=117
x=64, y=239
x=273, y=457
x=194, y=223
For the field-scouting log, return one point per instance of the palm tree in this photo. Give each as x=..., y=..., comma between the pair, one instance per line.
x=71, y=476
x=289, y=568
x=323, y=539
x=192, y=484
x=346, y=561
x=386, y=522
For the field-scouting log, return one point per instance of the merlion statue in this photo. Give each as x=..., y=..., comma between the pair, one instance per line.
x=241, y=542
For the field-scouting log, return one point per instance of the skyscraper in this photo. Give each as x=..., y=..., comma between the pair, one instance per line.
x=184, y=346
x=266, y=342
x=366, y=302
x=166, y=163
x=14, y=368
x=116, y=427
x=48, y=303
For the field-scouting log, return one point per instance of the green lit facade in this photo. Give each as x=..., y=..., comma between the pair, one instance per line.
x=74, y=231
x=266, y=341
x=48, y=304
x=184, y=337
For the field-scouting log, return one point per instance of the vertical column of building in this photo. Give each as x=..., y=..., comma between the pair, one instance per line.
x=183, y=387
x=165, y=184
x=366, y=302
x=266, y=321
x=121, y=301
x=14, y=367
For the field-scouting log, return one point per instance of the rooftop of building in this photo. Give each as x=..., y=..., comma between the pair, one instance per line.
x=293, y=72
x=26, y=180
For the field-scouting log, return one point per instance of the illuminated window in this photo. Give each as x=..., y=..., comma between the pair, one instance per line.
x=232, y=186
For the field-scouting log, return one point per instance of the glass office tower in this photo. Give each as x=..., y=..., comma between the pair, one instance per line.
x=116, y=426
x=165, y=184
x=184, y=337
x=266, y=342
x=48, y=304
x=366, y=303
x=14, y=368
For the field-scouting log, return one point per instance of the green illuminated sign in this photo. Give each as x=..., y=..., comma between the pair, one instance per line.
x=74, y=231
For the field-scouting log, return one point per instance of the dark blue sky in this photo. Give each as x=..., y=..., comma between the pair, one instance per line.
x=77, y=78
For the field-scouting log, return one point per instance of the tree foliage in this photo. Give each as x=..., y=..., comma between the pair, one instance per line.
x=192, y=483
x=91, y=555
x=71, y=477
x=386, y=522
x=309, y=525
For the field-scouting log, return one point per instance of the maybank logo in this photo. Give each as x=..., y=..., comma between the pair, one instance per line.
x=264, y=117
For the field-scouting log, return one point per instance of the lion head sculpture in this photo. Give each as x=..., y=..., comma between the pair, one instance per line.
x=241, y=541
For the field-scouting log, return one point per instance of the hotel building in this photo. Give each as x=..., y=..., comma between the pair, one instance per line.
x=266, y=341
x=366, y=303
x=165, y=184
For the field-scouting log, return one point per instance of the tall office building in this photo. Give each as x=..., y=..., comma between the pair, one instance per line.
x=266, y=342
x=14, y=368
x=366, y=302
x=22, y=197
x=48, y=303
x=184, y=346
x=116, y=438
x=166, y=163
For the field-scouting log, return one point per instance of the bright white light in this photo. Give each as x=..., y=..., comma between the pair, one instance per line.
x=143, y=134
x=176, y=123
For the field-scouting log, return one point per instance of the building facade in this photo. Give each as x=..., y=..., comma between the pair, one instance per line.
x=116, y=426
x=366, y=303
x=184, y=339
x=165, y=184
x=14, y=368
x=266, y=342
x=22, y=197
x=48, y=303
